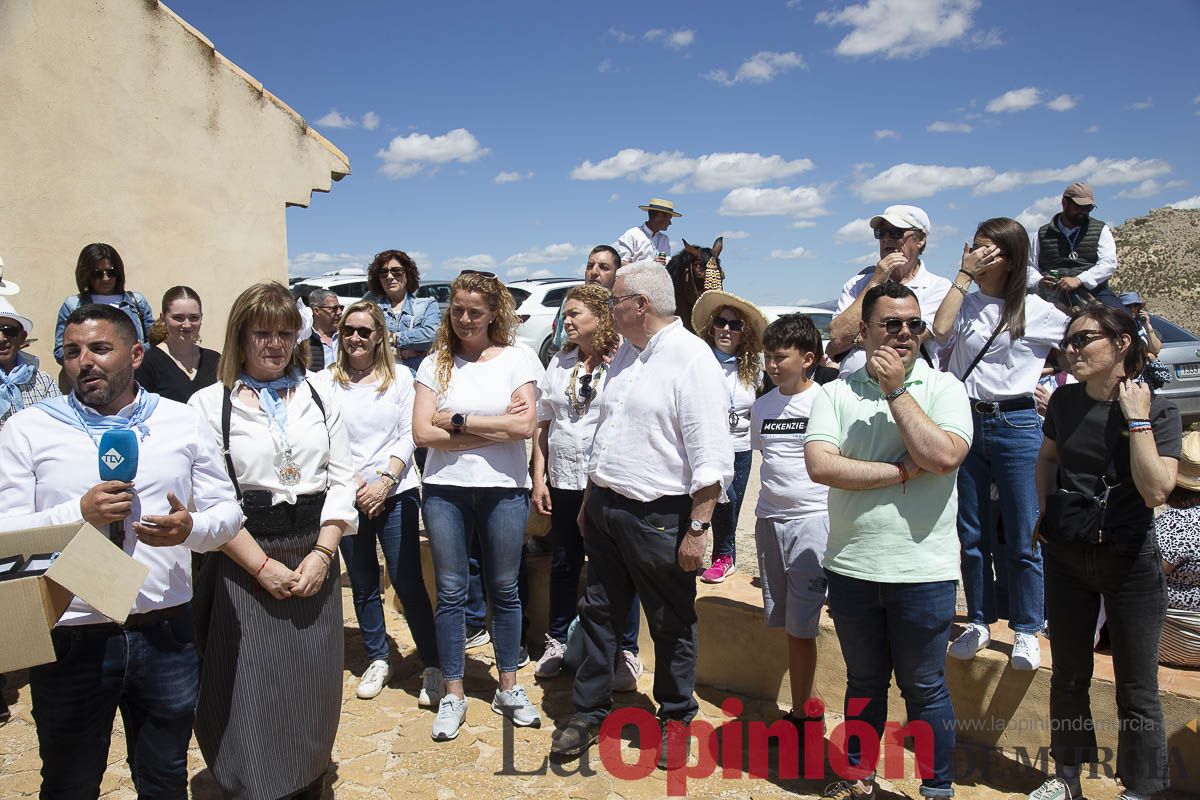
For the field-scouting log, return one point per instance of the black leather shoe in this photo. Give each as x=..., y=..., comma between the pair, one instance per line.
x=573, y=740
x=676, y=747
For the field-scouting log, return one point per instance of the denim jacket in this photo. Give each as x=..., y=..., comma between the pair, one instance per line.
x=133, y=304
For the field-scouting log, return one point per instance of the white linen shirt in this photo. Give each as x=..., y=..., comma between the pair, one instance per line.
x=639, y=244
x=571, y=435
x=930, y=290
x=46, y=467
x=664, y=427
x=320, y=448
x=1106, y=261
x=1008, y=369
x=378, y=425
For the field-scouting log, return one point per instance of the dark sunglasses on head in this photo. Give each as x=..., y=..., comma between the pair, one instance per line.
x=1082, y=339
x=104, y=273
x=891, y=233
x=478, y=272
x=11, y=331
x=916, y=325
x=734, y=325
x=585, y=386
x=362, y=333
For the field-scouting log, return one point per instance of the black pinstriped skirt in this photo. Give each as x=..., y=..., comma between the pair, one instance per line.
x=270, y=670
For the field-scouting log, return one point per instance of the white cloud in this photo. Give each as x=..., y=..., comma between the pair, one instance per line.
x=886, y=133
x=784, y=201
x=620, y=35
x=1096, y=171
x=335, y=119
x=1092, y=129
x=605, y=66
x=550, y=254
x=1141, y=105
x=513, y=177
x=1015, y=100
x=316, y=262
x=1148, y=188
x=789, y=255
x=676, y=40
x=919, y=180
x=733, y=235
x=370, y=120
x=1064, y=102
x=1188, y=204
x=856, y=230
x=949, y=127
x=762, y=67
x=523, y=273
x=709, y=172
x=1039, y=212
x=479, y=261
x=803, y=223
x=406, y=156
x=614, y=197
x=904, y=28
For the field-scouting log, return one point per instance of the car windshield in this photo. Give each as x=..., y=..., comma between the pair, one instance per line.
x=1170, y=333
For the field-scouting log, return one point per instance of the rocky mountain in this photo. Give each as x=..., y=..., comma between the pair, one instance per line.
x=1158, y=255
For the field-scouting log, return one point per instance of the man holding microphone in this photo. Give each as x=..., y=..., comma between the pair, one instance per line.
x=49, y=475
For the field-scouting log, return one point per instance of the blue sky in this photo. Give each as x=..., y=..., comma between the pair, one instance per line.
x=515, y=135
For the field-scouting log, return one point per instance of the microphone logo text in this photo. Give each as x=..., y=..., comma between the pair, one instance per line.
x=112, y=459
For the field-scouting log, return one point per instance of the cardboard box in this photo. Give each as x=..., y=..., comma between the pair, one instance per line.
x=90, y=567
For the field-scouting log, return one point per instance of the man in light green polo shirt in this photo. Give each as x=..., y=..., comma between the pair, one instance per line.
x=888, y=440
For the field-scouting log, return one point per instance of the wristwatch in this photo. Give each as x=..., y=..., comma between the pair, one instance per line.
x=698, y=527
x=459, y=421
x=892, y=395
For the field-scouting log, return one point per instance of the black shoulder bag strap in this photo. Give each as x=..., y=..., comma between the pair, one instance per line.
x=988, y=346
x=226, y=413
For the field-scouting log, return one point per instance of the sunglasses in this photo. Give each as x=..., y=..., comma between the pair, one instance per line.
x=1082, y=339
x=478, y=272
x=13, y=331
x=916, y=325
x=104, y=273
x=585, y=387
x=395, y=272
x=734, y=325
x=891, y=233
x=362, y=333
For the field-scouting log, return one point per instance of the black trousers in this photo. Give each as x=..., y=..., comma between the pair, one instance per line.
x=631, y=548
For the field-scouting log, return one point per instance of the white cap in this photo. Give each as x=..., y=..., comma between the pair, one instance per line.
x=903, y=217
x=7, y=310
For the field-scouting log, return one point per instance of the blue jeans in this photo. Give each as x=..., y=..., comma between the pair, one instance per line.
x=1004, y=450
x=566, y=565
x=497, y=515
x=725, y=518
x=397, y=529
x=150, y=674
x=900, y=627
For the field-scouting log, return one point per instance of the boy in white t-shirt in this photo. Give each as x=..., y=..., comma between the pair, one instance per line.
x=792, y=511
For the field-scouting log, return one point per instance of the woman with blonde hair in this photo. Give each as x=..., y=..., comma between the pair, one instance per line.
x=568, y=413
x=474, y=406
x=176, y=366
x=376, y=400
x=268, y=611
x=733, y=328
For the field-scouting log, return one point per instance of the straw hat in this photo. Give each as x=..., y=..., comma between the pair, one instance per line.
x=658, y=204
x=709, y=302
x=6, y=287
x=1189, y=462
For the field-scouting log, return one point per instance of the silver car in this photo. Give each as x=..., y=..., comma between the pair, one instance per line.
x=1181, y=353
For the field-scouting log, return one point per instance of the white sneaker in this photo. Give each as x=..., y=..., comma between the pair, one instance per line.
x=629, y=669
x=1026, y=654
x=433, y=688
x=378, y=673
x=477, y=638
x=971, y=641
x=515, y=705
x=1054, y=789
x=451, y=713
x=551, y=662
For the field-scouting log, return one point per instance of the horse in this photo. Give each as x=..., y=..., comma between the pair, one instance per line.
x=689, y=270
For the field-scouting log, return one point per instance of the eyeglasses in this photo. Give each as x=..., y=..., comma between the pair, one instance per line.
x=478, y=272
x=11, y=331
x=916, y=325
x=335, y=309
x=585, y=387
x=613, y=301
x=734, y=325
x=1082, y=339
x=394, y=272
x=104, y=273
x=362, y=333
x=891, y=233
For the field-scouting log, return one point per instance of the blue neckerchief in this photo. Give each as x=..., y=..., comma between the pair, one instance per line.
x=1072, y=238
x=68, y=410
x=269, y=398
x=11, y=383
x=723, y=358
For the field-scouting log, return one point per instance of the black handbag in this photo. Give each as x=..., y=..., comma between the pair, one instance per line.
x=1079, y=517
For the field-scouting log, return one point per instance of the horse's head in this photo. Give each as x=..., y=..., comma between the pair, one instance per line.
x=701, y=257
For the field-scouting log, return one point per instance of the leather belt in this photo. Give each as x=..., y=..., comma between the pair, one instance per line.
x=135, y=622
x=990, y=407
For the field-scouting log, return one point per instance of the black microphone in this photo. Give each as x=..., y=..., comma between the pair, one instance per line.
x=118, y=462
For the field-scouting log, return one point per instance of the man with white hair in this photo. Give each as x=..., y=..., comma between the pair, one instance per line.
x=660, y=461
x=903, y=232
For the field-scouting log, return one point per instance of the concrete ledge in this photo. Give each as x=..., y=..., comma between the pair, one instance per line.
x=998, y=708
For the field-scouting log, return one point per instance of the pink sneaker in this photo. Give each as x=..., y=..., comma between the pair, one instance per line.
x=721, y=567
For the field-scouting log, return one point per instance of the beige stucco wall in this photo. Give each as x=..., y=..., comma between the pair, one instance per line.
x=120, y=123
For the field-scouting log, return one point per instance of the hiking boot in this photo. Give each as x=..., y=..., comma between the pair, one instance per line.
x=551, y=662
x=722, y=567
x=971, y=641
x=850, y=790
x=574, y=739
x=676, y=746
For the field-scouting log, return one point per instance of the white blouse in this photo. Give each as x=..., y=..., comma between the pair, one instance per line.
x=571, y=434
x=739, y=398
x=320, y=448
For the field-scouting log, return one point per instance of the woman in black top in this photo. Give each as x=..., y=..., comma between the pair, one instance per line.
x=176, y=366
x=1110, y=456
